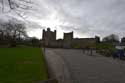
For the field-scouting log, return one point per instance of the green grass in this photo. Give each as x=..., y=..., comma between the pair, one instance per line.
x=22, y=65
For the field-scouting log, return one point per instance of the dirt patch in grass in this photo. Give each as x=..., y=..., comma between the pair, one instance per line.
x=25, y=62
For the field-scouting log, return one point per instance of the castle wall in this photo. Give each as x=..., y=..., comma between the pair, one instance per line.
x=83, y=42
x=49, y=40
x=56, y=44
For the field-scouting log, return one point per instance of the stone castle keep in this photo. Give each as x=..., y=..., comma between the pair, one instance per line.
x=49, y=40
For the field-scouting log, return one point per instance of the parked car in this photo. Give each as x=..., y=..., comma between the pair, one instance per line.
x=119, y=53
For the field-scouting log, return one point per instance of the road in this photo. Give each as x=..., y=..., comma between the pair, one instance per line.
x=82, y=68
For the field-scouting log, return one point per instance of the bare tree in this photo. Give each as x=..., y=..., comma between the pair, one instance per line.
x=13, y=31
x=18, y=6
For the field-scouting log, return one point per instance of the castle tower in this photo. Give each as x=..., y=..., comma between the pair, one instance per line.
x=48, y=37
x=67, y=39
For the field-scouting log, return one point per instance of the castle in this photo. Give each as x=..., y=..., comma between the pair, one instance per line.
x=68, y=41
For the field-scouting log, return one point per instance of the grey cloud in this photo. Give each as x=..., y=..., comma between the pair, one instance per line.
x=89, y=17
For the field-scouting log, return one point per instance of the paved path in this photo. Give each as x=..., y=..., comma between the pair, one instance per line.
x=83, y=68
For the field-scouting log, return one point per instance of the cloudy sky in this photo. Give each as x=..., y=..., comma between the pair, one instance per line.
x=86, y=18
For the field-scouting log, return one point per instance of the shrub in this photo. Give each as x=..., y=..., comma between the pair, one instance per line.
x=105, y=49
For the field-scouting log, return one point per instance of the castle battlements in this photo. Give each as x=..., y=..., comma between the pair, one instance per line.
x=49, y=40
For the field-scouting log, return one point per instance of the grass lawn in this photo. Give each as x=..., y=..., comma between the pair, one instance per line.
x=22, y=65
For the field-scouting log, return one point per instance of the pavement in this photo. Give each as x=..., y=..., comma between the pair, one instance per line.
x=76, y=66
